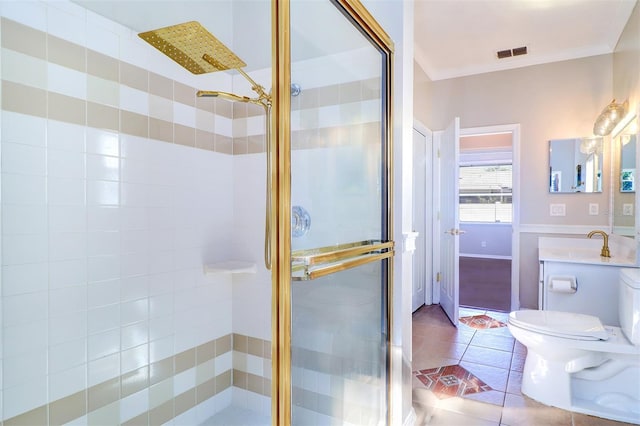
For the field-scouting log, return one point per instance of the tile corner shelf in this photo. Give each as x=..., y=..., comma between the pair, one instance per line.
x=230, y=267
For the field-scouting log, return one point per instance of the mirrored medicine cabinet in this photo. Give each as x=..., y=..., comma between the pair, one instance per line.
x=575, y=165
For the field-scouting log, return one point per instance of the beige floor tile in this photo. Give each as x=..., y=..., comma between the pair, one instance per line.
x=472, y=408
x=493, y=341
x=523, y=411
x=443, y=417
x=449, y=333
x=515, y=382
x=495, y=377
x=493, y=397
x=519, y=348
x=498, y=360
x=418, y=340
x=486, y=356
x=444, y=349
x=425, y=397
x=423, y=414
x=517, y=362
x=498, y=331
x=429, y=361
x=585, y=420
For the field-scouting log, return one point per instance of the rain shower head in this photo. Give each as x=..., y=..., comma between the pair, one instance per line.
x=193, y=47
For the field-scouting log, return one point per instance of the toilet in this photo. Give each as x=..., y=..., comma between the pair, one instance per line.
x=576, y=363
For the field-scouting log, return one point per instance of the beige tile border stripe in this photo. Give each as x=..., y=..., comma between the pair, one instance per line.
x=41, y=103
x=101, y=395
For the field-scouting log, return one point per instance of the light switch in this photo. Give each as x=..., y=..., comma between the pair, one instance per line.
x=557, y=209
x=593, y=209
x=627, y=209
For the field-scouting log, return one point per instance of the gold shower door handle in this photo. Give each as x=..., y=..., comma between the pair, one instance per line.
x=315, y=263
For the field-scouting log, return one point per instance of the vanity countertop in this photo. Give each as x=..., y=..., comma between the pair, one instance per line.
x=584, y=250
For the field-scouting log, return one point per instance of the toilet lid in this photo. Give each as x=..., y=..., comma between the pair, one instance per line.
x=563, y=324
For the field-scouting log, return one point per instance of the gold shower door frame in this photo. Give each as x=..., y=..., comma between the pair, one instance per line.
x=280, y=178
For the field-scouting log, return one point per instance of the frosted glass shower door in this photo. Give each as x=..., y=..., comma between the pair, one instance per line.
x=340, y=242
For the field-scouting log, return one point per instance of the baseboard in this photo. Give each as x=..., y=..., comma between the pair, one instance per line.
x=485, y=256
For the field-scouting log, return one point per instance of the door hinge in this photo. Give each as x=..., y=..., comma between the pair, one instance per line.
x=438, y=277
x=438, y=153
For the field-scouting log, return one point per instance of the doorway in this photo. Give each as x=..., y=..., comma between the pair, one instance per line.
x=486, y=208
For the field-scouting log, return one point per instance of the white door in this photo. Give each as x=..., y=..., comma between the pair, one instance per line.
x=420, y=259
x=449, y=220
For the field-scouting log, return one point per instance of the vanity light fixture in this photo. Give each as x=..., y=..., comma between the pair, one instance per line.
x=609, y=117
x=592, y=145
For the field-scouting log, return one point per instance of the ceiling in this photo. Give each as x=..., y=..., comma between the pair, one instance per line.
x=453, y=38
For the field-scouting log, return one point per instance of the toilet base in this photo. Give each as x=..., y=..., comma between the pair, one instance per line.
x=546, y=381
x=592, y=409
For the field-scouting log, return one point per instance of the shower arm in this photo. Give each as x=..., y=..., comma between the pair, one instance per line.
x=263, y=98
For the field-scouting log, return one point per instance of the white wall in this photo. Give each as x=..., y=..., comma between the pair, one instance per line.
x=396, y=17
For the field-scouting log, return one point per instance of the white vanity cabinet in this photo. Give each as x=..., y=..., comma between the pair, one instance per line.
x=596, y=292
x=597, y=278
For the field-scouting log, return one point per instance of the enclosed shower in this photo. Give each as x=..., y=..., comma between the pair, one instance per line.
x=143, y=209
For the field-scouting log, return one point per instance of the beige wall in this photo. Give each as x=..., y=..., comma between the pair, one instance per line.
x=626, y=62
x=558, y=100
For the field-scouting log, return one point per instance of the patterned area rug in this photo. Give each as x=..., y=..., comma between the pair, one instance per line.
x=482, y=322
x=451, y=380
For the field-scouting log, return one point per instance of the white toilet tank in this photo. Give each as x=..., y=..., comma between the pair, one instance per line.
x=629, y=304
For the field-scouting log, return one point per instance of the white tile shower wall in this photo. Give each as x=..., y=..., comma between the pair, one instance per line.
x=251, y=292
x=98, y=262
x=104, y=235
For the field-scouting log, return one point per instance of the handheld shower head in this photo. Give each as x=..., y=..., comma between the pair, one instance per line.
x=223, y=95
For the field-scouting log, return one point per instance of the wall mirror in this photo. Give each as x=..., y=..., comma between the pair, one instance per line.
x=575, y=165
x=624, y=174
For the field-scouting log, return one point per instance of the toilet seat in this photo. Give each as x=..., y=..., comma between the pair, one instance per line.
x=568, y=325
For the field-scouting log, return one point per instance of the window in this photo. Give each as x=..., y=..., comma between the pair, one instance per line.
x=486, y=193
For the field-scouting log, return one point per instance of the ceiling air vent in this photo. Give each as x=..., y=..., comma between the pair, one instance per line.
x=516, y=51
x=504, y=53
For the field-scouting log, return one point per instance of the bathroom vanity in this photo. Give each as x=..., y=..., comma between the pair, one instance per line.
x=575, y=278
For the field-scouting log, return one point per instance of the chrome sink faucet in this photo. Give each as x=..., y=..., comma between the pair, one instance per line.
x=605, y=245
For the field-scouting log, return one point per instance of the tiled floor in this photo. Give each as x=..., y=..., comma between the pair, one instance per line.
x=494, y=358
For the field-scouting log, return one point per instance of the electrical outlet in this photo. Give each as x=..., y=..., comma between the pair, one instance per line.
x=593, y=209
x=557, y=209
x=627, y=209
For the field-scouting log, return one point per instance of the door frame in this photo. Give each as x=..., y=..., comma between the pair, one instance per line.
x=514, y=129
x=280, y=201
x=429, y=219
